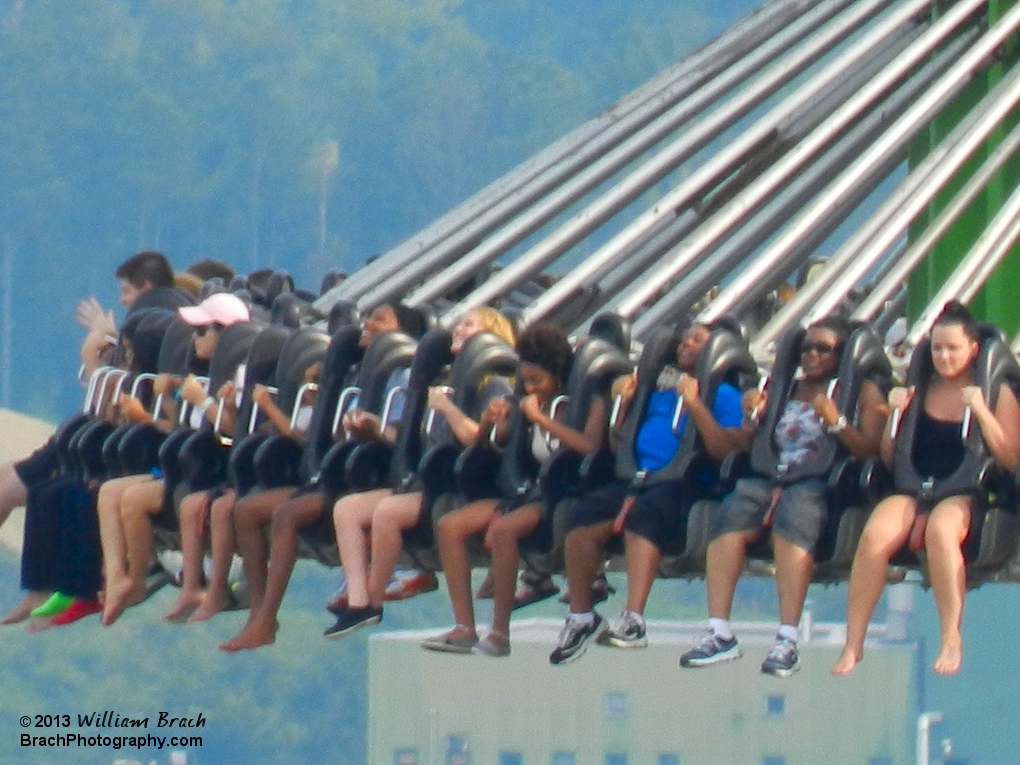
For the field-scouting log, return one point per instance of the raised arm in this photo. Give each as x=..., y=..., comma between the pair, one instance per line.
x=719, y=426
x=587, y=441
x=864, y=439
x=999, y=429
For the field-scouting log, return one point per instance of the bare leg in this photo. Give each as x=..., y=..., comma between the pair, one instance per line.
x=352, y=520
x=221, y=534
x=111, y=527
x=947, y=528
x=138, y=502
x=252, y=515
x=885, y=533
x=642, y=564
x=583, y=551
x=725, y=561
x=453, y=531
x=793, y=575
x=190, y=516
x=288, y=518
x=392, y=516
x=503, y=536
x=12, y=491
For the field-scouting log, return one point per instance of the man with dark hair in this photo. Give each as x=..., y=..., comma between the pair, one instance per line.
x=143, y=270
x=146, y=281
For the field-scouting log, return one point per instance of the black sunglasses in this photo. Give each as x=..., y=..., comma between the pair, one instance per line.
x=201, y=331
x=822, y=349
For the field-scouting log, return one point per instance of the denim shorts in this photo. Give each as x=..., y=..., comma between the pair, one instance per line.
x=799, y=518
x=659, y=513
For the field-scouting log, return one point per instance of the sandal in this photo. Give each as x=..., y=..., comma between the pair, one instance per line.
x=448, y=642
x=491, y=647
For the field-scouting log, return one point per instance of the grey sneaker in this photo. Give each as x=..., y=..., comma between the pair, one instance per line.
x=782, y=660
x=573, y=640
x=711, y=649
x=625, y=631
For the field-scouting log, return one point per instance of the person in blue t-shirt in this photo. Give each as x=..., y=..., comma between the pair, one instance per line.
x=654, y=518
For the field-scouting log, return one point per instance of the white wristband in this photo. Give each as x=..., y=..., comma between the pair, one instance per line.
x=205, y=406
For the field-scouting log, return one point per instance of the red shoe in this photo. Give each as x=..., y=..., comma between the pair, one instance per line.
x=78, y=609
x=407, y=584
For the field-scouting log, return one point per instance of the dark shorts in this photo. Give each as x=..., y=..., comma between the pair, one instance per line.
x=40, y=466
x=659, y=513
x=799, y=518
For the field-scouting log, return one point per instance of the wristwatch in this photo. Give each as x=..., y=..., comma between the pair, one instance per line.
x=838, y=426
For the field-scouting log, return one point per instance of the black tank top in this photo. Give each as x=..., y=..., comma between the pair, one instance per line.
x=938, y=448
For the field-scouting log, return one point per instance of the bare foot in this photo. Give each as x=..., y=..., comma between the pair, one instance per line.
x=39, y=624
x=211, y=605
x=24, y=609
x=949, y=658
x=847, y=661
x=119, y=596
x=254, y=635
x=187, y=601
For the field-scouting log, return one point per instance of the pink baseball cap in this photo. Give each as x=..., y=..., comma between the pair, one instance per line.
x=223, y=308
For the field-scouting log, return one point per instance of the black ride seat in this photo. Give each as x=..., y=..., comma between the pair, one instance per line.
x=994, y=529
x=388, y=353
x=724, y=359
x=195, y=459
x=862, y=359
x=483, y=357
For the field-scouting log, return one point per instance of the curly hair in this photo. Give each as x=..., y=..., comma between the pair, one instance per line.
x=546, y=346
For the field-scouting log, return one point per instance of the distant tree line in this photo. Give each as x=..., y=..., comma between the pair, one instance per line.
x=300, y=135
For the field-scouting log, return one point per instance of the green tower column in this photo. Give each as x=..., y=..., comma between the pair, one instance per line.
x=997, y=302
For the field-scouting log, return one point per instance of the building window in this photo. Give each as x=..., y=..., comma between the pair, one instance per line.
x=616, y=705
x=457, y=751
x=616, y=758
x=562, y=758
x=668, y=759
x=511, y=758
x=405, y=757
x=774, y=759
x=775, y=705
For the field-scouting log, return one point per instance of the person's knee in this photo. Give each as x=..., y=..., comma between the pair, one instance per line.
x=13, y=492
x=942, y=533
x=449, y=528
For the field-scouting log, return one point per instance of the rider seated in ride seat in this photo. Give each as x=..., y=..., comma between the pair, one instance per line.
x=195, y=603
x=268, y=564
x=796, y=512
x=656, y=515
x=143, y=273
x=545, y=358
x=938, y=451
x=383, y=515
x=126, y=504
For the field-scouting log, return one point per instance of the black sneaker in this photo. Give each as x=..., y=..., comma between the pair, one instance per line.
x=625, y=631
x=352, y=619
x=782, y=660
x=574, y=640
x=712, y=649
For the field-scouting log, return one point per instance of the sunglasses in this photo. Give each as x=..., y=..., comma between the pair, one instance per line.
x=822, y=349
x=201, y=331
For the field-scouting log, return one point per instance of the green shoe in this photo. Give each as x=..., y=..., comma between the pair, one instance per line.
x=57, y=603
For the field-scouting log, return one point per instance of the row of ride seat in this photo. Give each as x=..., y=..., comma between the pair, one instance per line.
x=427, y=456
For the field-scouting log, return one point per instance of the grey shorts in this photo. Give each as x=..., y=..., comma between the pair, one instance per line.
x=799, y=518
